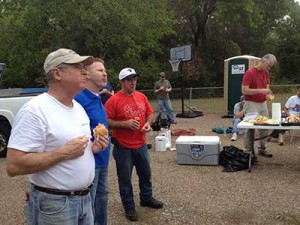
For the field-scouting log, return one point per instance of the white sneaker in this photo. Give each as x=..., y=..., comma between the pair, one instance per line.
x=234, y=137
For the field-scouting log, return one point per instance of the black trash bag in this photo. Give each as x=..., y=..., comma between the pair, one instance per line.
x=234, y=159
x=275, y=133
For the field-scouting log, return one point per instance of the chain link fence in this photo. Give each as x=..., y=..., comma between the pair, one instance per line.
x=190, y=93
x=211, y=99
x=215, y=92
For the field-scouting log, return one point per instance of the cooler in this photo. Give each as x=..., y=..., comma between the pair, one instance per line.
x=198, y=150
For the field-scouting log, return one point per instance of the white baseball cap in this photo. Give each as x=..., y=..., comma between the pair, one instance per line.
x=126, y=72
x=67, y=56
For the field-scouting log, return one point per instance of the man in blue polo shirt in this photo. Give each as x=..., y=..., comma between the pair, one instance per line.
x=90, y=100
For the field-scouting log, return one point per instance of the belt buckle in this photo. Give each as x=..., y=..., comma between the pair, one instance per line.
x=81, y=192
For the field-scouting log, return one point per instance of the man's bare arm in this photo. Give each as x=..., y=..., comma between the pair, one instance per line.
x=249, y=91
x=21, y=163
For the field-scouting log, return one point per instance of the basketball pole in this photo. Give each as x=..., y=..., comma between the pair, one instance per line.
x=182, y=90
x=182, y=114
x=182, y=54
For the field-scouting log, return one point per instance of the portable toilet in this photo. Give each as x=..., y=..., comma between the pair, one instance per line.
x=234, y=69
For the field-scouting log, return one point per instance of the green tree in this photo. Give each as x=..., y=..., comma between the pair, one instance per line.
x=124, y=33
x=287, y=45
x=228, y=28
x=139, y=34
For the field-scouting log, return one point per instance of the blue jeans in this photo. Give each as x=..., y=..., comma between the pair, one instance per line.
x=48, y=209
x=168, y=106
x=236, y=121
x=126, y=159
x=99, y=193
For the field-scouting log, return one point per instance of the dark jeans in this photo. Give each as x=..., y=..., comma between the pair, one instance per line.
x=126, y=159
x=275, y=133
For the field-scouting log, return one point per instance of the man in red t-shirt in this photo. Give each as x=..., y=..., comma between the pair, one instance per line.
x=255, y=88
x=130, y=116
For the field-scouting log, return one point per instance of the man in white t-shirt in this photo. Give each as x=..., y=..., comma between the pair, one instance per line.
x=50, y=142
x=292, y=106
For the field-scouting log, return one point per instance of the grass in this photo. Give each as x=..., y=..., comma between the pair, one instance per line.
x=217, y=105
x=207, y=105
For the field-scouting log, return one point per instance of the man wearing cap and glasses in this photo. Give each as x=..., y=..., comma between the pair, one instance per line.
x=130, y=116
x=256, y=90
x=162, y=88
x=50, y=141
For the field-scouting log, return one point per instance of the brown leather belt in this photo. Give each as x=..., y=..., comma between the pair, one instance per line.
x=61, y=192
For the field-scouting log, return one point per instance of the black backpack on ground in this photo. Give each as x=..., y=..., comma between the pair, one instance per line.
x=161, y=121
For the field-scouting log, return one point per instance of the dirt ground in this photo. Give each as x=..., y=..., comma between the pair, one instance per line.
x=270, y=194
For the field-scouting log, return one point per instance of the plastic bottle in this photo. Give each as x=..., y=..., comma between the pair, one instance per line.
x=224, y=131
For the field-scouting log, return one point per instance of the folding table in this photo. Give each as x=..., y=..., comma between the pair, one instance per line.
x=252, y=128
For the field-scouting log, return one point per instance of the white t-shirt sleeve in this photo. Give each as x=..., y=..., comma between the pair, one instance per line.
x=237, y=108
x=288, y=103
x=28, y=133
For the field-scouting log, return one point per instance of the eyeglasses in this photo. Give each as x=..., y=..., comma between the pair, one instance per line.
x=268, y=67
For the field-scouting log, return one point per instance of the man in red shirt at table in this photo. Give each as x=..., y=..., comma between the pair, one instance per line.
x=256, y=90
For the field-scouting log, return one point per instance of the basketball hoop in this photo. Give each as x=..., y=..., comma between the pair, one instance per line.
x=175, y=64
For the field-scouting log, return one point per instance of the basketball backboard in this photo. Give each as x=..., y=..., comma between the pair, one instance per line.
x=183, y=53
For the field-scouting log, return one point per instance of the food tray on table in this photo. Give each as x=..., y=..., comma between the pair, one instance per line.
x=290, y=124
x=266, y=124
x=269, y=122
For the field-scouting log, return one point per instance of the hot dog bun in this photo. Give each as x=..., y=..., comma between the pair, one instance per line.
x=271, y=97
x=293, y=119
x=100, y=130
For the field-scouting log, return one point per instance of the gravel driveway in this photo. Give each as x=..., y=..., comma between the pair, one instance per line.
x=270, y=194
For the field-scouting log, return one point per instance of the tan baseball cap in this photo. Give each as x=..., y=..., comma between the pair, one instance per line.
x=67, y=56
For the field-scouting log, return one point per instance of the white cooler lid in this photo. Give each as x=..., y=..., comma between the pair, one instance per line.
x=198, y=139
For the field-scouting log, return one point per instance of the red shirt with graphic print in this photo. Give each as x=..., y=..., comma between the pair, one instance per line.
x=121, y=107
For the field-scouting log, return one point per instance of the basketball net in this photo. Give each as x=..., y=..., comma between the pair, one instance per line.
x=175, y=64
